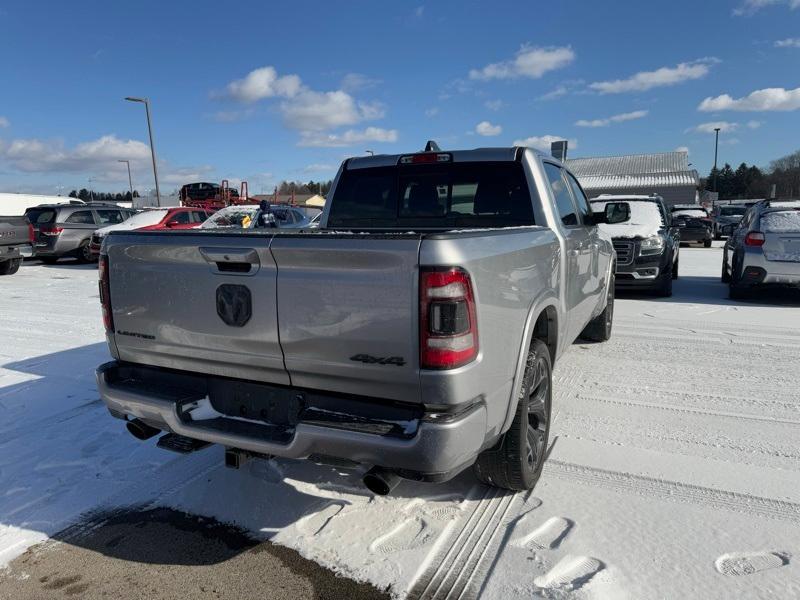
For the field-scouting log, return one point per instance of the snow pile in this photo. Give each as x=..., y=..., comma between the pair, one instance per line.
x=645, y=221
x=695, y=213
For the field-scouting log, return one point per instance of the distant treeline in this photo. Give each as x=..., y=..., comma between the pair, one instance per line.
x=91, y=195
x=312, y=187
x=752, y=182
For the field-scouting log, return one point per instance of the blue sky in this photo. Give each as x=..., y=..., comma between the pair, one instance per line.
x=269, y=91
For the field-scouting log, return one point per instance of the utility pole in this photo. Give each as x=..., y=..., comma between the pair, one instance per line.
x=130, y=181
x=146, y=103
x=716, y=148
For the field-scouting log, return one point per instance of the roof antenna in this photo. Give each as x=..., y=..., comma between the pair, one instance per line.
x=432, y=146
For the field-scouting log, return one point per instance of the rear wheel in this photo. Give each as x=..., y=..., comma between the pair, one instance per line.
x=736, y=291
x=726, y=276
x=516, y=462
x=599, y=328
x=675, y=269
x=707, y=243
x=84, y=253
x=9, y=267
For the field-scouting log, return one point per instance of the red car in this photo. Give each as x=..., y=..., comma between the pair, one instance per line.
x=176, y=217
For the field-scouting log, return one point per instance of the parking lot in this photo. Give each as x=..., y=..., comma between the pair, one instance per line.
x=674, y=473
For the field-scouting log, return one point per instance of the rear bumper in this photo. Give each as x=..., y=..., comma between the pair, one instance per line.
x=757, y=270
x=418, y=444
x=14, y=252
x=695, y=235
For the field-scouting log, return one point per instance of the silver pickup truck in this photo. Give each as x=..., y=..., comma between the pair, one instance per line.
x=413, y=333
x=16, y=238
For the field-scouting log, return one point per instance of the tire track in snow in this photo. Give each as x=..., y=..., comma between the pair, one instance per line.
x=674, y=491
x=457, y=572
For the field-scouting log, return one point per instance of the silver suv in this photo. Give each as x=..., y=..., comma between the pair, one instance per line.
x=764, y=249
x=61, y=230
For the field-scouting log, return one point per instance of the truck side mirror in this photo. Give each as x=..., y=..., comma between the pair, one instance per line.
x=615, y=212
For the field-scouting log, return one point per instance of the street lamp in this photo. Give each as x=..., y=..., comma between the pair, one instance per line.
x=146, y=103
x=370, y=152
x=130, y=181
x=716, y=147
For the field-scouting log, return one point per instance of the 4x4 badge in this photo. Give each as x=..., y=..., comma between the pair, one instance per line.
x=378, y=360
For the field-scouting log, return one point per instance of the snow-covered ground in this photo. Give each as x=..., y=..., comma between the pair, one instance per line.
x=676, y=471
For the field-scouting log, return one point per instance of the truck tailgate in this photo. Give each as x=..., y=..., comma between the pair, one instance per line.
x=347, y=312
x=172, y=293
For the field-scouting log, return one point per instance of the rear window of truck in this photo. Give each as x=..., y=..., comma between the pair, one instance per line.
x=38, y=216
x=469, y=195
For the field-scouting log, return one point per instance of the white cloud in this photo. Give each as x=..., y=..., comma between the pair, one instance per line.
x=769, y=99
x=749, y=7
x=98, y=157
x=353, y=82
x=724, y=127
x=629, y=116
x=431, y=112
x=682, y=149
x=754, y=124
x=4, y=122
x=318, y=168
x=555, y=93
x=419, y=11
x=530, y=62
x=348, y=138
x=665, y=76
x=316, y=111
x=788, y=43
x=264, y=83
x=543, y=142
x=485, y=128
x=494, y=105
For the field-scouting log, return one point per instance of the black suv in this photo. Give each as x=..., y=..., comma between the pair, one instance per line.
x=647, y=245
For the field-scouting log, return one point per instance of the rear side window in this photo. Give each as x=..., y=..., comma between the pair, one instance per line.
x=183, y=217
x=82, y=216
x=564, y=205
x=40, y=216
x=443, y=195
x=199, y=216
x=109, y=217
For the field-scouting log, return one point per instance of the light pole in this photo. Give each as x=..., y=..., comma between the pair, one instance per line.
x=91, y=191
x=130, y=181
x=370, y=152
x=146, y=103
x=716, y=147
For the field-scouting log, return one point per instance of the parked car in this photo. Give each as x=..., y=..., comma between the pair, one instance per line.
x=315, y=221
x=245, y=216
x=16, y=243
x=66, y=229
x=726, y=218
x=694, y=222
x=176, y=217
x=647, y=245
x=414, y=332
x=764, y=249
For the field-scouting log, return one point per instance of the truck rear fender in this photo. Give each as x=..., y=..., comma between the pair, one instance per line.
x=542, y=322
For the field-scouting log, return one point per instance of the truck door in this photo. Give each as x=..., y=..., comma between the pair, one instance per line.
x=578, y=256
x=600, y=261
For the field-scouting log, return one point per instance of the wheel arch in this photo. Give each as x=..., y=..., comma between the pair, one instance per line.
x=542, y=323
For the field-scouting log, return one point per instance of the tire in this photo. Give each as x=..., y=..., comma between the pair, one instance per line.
x=707, y=243
x=664, y=289
x=675, y=266
x=516, y=462
x=599, y=328
x=735, y=290
x=9, y=267
x=726, y=276
x=84, y=253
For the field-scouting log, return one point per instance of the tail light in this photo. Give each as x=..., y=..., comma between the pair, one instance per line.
x=754, y=238
x=105, y=294
x=51, y=230
x=31, y=234
x=448, y=327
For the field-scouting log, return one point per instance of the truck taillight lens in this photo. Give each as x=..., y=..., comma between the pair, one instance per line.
x=754, y=238
x=31, y=234
x=105, y=294
x=448, y=326
x=50, y=230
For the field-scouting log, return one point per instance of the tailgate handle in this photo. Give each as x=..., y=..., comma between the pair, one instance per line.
x=238, y=261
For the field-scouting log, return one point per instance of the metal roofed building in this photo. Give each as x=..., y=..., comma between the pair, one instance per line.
x=667, y=174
